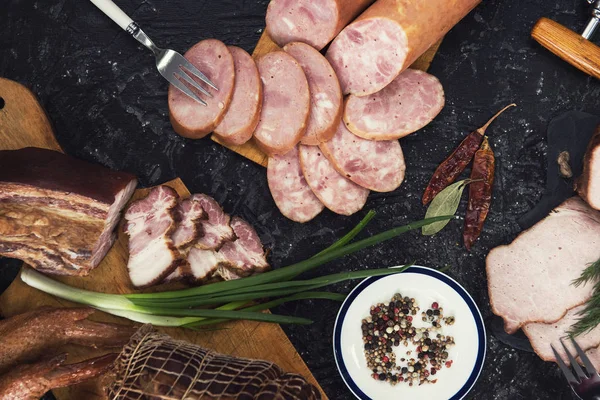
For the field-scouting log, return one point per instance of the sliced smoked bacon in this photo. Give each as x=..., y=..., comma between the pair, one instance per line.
x=150, y=222
x=58, y=213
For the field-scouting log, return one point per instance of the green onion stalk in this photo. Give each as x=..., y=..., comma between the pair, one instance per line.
x=177, y=308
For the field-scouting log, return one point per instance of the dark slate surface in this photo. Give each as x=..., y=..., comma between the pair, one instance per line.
x=109, y=105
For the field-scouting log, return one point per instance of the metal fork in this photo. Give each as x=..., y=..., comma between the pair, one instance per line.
x=587, y=383
x=171, y=65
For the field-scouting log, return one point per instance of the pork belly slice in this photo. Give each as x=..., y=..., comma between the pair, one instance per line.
x=543, y=336
x=59, y=202
x=236, y=259
x=150, y=224
x=245, y=255
x=588, y=184
x=189, y=215
x=530, y=279
x=216, y=228
x=201, y=265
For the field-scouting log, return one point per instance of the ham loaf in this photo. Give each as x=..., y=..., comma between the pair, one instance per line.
x=340, y=195
x=404, y=106
x=286, y=103
x=244, y=111
x=388, y=37
x=190, y=118
x=325, y=93
x=289, y=189
x=315, y=22
x=374, y=165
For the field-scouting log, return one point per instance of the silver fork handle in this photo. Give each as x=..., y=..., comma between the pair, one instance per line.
x=125, y=22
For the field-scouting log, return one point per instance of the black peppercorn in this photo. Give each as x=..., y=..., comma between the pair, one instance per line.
x=382, y=377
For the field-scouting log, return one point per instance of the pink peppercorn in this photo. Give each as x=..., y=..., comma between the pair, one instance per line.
x=435, y=305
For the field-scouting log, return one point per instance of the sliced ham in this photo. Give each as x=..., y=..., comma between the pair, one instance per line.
x=315, y=22
x=150, y=222
x=190, y=118
x=404, y=106
x=543, y=336
x=388, y=37
x=216, y=228
x=340, y=195
x=244, y=111
x=530, y=279
x=588, y=185
x=286, y=103
x=58, y=213
x=325, y=93
x=289, y=189
x=374, y=165
x=189, y=215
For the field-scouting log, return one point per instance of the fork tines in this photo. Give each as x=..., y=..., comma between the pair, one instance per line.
x=590, y=370
x=182, y=74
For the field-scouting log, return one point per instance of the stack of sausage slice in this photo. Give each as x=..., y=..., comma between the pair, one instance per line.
x=325, y=151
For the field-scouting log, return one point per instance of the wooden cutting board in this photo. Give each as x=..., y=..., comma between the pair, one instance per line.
x=24, y=123
x=266, y=45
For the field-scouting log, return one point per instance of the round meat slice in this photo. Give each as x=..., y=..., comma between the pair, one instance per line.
x=404, y=106
x=289, y=189
x=190, y=118
x=375, y=165
x=325, y=93
x=315, y=22
x=387, y=38
x=286, y=103
x=340, y=195
x=244, y=111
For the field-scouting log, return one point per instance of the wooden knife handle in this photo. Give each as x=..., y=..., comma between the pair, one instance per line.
x=568, y=45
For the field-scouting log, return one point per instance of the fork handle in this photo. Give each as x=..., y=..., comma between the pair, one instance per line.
x=115, y=13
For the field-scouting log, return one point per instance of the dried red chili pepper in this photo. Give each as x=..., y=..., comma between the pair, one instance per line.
x=480, y=193
x=447, y=172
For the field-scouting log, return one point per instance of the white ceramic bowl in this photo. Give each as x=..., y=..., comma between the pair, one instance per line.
x=426, y=285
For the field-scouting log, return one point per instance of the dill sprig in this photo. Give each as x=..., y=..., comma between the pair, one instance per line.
x=590, y=315
x=591, y=273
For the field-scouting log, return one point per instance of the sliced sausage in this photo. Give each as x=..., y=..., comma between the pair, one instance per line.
x=190, y=118
x=388, y=37
x=340, y=195
x=286, y=103
x=325, y=93
x=289, y=189
x=315, y=22
x=244, y=111
x=404, y=106
x=375, y=165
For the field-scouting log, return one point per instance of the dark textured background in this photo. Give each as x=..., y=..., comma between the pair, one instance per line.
x=109, y=105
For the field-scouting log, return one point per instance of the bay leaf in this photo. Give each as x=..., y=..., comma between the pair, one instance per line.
x=445, y=203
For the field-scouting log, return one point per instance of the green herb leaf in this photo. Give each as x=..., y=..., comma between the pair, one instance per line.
x=445, y=203
x=589, y=317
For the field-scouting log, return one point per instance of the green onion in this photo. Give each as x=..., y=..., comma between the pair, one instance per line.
x=158, y=316
x=275, y=303
x=268, y=289
x=347, y=238
x=291, y=271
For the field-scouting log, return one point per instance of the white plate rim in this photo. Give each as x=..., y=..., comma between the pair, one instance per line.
x=457, y=287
